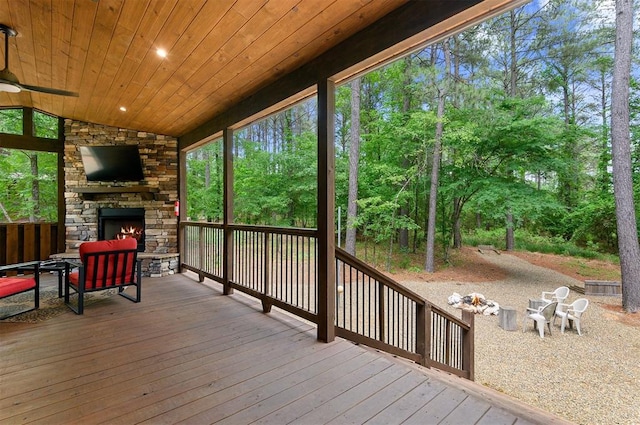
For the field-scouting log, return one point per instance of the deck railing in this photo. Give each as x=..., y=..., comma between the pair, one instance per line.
x=278, y=266
x=20, y=242
x=275, y=265
x=374, y=310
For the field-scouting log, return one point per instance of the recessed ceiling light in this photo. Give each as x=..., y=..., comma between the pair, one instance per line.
x=123, y=109
x=162, y=53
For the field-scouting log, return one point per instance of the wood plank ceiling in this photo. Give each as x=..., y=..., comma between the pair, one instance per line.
x=219, y=53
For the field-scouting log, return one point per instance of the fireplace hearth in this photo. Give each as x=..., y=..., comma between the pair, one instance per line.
x=120, y=223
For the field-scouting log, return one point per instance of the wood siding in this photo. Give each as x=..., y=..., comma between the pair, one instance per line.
x=20, y=242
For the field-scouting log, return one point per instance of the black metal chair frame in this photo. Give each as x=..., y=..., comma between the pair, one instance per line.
x=31, y=266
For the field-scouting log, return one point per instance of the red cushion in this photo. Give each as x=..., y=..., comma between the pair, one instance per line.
x=110, y=245
x=13, y=285
x=104, y=280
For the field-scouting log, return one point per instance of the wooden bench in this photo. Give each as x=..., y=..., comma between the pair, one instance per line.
x=603, y=288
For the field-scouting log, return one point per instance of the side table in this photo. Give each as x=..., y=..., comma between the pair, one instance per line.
x=52, y=266
x=55, y=266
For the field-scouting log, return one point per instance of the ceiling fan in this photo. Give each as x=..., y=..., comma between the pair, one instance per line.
x=8, y=80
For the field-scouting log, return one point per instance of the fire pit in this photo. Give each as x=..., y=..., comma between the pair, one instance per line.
x=475, y=303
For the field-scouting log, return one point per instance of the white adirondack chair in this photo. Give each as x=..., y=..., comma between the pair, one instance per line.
x=571, y=313
x=559, y=295
x=541, y=316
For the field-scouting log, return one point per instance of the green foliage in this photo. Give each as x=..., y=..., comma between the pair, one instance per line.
x=204, y=177
x=534, y=146
x=526, y=241
x=17, y=182
x=11, y=120
x=593, y=223
x=45, y=125
x=28, y=180
x=275, y=173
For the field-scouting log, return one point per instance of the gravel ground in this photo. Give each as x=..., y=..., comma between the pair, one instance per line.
x=588, y=379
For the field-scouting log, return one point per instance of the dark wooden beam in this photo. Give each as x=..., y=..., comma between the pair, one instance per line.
x=182, y=199
x=30, y=143
x=62, y=205
x=227, y=206
x=27, y=122
x=397, y=26
x=326, y=215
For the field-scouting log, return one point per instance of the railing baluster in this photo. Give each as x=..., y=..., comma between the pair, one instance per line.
x=266, y=261
x=281, y=265
x=382, y=312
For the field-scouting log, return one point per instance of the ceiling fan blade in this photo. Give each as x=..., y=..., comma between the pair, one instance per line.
x=8, y=86
x=48, y=90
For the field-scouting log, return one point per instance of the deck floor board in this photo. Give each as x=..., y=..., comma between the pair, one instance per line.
x=188, y=354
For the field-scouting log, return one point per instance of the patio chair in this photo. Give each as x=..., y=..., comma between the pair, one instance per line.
x=104, y=265
x=571, y=313
x=541, y=316
x=559, y=295
x=14, y=285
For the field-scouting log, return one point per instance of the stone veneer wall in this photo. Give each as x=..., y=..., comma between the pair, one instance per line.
x=159, y=156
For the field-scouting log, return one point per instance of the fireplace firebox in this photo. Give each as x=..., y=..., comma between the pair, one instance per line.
x=121, y=223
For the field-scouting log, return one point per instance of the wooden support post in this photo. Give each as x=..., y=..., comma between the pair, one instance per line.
x=468, y=345
x=227, y=216
x=326, y=203
x=60, y=245
x=423, y=333
x=182, y=199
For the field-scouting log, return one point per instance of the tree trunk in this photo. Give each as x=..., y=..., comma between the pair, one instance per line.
x=5, y=213
x=513, y=91
x=207, y=169
x=457, y=233
x=510, y=241
x=435, y=170
x=403, y=235
x=35, y=187
x=629, y=250
x=354, y=158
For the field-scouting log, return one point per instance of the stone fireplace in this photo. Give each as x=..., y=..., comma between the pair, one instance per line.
x=100, y=210
x=121, y=223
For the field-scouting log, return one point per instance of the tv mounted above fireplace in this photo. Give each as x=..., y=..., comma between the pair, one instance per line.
x=112, y=163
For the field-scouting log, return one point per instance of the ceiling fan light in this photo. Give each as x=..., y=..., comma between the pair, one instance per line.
x=9, y=88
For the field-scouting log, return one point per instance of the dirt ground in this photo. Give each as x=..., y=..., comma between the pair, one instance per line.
x=465, y=265
x=468, y=267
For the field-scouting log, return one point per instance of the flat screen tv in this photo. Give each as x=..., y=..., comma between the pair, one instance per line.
x=112, y=163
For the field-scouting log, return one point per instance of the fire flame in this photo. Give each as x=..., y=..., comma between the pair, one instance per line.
x=129, y=232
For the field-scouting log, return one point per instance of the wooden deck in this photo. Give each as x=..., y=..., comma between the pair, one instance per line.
x=187, y=354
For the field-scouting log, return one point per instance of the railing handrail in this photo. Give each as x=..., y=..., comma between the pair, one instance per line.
x=343, y=255
x=297, y=231
x=400, y=321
